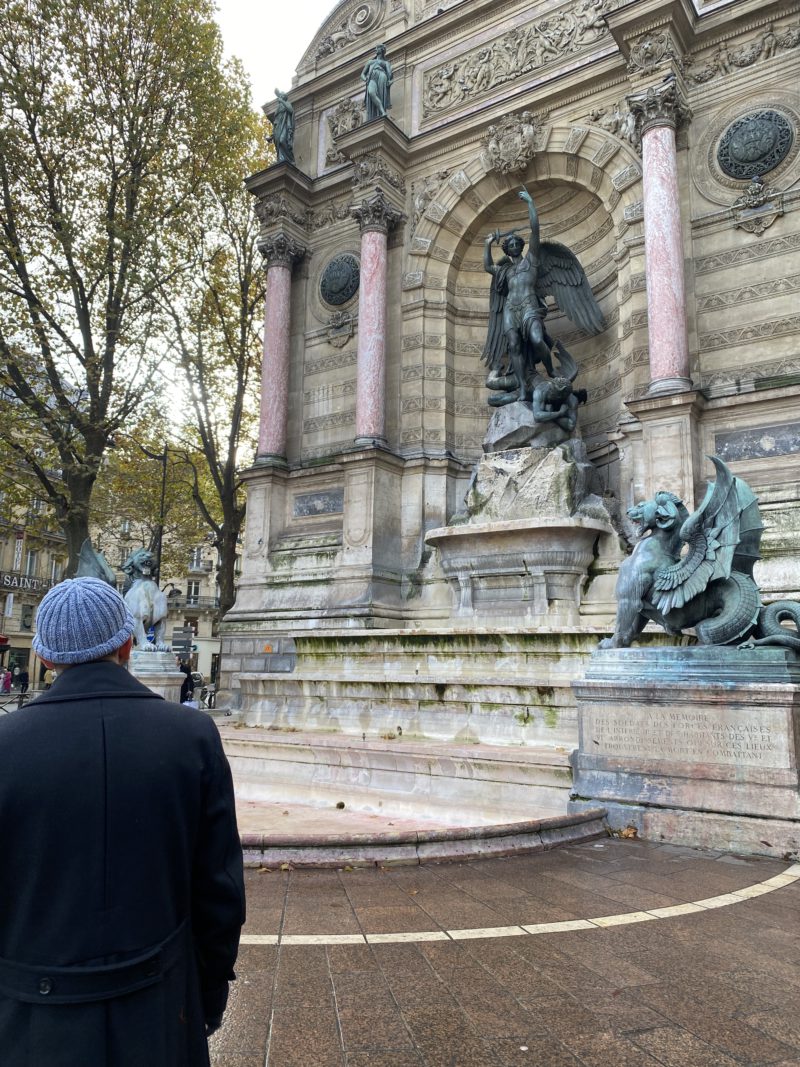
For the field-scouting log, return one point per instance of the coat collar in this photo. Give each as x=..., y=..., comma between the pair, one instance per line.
x=102, y=678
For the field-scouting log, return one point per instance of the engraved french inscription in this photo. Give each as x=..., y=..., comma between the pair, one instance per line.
x=691, y=735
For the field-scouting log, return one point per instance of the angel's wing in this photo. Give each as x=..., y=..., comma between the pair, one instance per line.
x=562, y=276
x=713, y=534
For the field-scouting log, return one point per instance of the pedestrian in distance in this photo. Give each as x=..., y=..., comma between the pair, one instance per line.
x=121, y=883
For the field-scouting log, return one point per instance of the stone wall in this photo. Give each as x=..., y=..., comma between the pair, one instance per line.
x=488, y=95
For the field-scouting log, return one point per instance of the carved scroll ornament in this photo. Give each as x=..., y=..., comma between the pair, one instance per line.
x=362, y=20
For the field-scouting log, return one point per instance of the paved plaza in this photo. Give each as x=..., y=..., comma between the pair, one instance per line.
x=614, y=953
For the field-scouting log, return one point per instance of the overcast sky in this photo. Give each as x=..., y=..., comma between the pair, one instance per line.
x=270, y=37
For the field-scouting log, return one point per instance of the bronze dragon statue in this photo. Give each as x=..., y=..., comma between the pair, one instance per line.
x=709, y=586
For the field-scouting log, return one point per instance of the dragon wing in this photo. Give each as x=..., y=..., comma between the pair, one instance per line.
x=562, y=276
x=93, y=564
x=712, y=534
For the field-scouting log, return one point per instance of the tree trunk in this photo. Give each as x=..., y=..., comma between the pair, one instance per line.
x=226, y=577
x=73, y=516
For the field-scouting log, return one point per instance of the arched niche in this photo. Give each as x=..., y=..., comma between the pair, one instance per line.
x=588, y=200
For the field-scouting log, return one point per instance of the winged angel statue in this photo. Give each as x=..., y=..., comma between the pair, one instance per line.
x=517, y=340
x=709, y=584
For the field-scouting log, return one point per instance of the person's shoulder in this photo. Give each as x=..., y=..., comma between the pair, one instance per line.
x=191, y=720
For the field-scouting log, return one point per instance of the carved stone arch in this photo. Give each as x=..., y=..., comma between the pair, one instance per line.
x=602, y=162
x=447, y=291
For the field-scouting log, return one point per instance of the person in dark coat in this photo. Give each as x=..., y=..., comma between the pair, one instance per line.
x=187, y=685
x=121, y=883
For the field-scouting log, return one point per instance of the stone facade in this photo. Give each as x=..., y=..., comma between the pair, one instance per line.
x=639, y=128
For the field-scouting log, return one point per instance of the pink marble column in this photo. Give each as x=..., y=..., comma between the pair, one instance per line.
x=375, y=217
x=659, y=111
x=281, y=254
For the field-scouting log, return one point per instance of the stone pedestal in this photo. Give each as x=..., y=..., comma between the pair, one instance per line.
x=521, y=552
x=158, y=672
x=694, y=745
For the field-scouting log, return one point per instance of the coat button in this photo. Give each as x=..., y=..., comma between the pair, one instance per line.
x=45, y=986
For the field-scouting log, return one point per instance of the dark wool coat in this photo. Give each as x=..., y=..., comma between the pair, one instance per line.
x=121, y=888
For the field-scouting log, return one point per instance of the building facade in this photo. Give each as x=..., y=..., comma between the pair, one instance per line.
x=661, y=142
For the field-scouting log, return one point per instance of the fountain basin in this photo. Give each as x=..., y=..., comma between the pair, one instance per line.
x=532, y=568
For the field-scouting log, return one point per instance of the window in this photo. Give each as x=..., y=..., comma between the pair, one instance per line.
x=31, y=562
x=192, y=592
x=56, y=569
x=196, y=559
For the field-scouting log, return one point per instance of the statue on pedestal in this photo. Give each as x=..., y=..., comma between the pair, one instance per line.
x=517, y=340
x=377, y=76
x=282, y=121
x=146, y=602
x=710, y=586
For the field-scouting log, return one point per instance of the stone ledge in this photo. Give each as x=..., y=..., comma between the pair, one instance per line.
x=423, y=846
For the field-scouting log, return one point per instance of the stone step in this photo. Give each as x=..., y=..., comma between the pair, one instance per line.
x=492, y=711
x=422, y=845
x=482, y=784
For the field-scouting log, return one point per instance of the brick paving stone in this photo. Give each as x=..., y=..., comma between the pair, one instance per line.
x=717, y=988
x=375, y=1024
x=783, y=1025
x=393, y=1058
x=677, y=1048
x=536, y=1051
x=604, y=1049
x=302, y=1036
x=346, y=959
x=380, y=920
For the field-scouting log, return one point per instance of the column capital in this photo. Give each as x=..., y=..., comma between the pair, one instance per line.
x=281, y=250
x=376, y=214
x=659, y=105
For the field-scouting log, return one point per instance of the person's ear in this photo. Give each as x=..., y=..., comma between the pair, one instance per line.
x=124, y=651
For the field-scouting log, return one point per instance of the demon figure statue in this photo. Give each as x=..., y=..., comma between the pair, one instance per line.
x=707, y=586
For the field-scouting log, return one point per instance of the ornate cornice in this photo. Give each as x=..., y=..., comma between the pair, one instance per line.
x=376, y=214
x=281, y=250
x=659, y=105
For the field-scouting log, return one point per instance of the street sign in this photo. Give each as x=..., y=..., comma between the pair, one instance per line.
x=182, y=638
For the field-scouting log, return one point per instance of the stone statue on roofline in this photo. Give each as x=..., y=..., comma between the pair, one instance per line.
x=696, y=571
x=377, y=76
x=282, y=120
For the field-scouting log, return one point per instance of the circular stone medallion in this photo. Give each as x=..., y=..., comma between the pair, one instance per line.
x=339, y=281
x=755, y=144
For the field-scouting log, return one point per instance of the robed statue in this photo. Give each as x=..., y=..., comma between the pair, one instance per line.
x=283, y=128
x=517, y=340
x=377, y=77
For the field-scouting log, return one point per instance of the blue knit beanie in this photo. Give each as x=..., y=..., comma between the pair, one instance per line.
x=79, y=620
